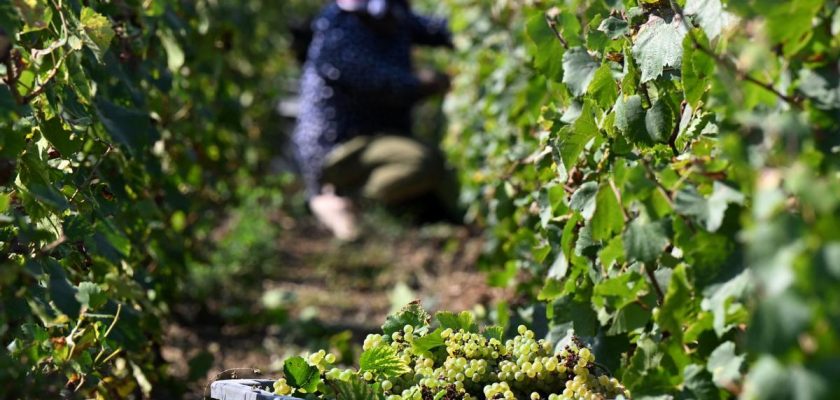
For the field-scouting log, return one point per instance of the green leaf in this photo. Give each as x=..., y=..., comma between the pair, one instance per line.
x=659, y=121
x=608, y=218
x=130, y=127
x=614, y=27
x=5, y=201
x=383, y=360
x=645, y=240
x=548, y=52
x=494, y=332
x=299, y=374
x=90, y=295
x=659, y=45
x=604, y=88
x=678, y=306
x=698, y=382
x=628, y=318
x=722, y=300
x=630, y=119
x=778, y=322
x=822, y=86
x=708, y=212
x=769, y=379
x=573, y=139
x=584, y=199
x=790, y=23
x=697, y=68
x=426, y=343
x=174, y=53
x=464, y=320
x=62, y=293
x=559, y=267
x=578, y=70
x=49, y=196
x=709, y=14
x=355, y=389
x=60, y=138
x=98, y=30
x=828, y=259
x=580, y=313
x=724, y=365
x=619, y=291
x=412, y=314
x=36, y=14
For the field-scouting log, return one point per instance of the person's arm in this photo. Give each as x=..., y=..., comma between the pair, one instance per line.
x=429, y=31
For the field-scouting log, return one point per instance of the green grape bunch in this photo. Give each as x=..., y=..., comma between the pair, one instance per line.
x=455, y=360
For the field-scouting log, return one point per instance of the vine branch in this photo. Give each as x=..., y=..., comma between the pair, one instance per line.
x=741, y=74
x=659, y=293
x=549, y=19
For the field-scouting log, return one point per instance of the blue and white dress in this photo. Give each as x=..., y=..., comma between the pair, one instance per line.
x=357, y=82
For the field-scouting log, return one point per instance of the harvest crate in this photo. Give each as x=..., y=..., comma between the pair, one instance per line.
x=245, y=389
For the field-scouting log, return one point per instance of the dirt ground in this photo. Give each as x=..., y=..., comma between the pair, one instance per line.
x=327, y=294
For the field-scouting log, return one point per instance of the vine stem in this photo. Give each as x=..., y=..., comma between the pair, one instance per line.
x=741, y=74
x=549, y=19
x=659, y=293
x=92, y=172
x=618, y=197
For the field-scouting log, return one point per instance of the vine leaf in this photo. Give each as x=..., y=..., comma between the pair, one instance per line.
x=98, y=30
x=607, y=219
x=493, y=332
x=724, y=365
x=709, y=15
x=355, y=389
x=614, y=27
x=699, y=382
x=709, y=211
x=464, y=320
x=90, y=295
x=644, y=240
x=383, y=360
x=777, y=323
x=603, y=87
x=659, y=121
x=412, y=314
x=697, y=67
x=659, y=45
x=547, y=51
x=821, y=86
x=677, y=306
x=790, y=23
x=429, y=342
x=630, y=119
x=584, y=200
x=130, y=127
x=300, y=374
x=573, y=138
x=578, y=70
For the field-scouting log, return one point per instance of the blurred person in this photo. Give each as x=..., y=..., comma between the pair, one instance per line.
x=353, y=137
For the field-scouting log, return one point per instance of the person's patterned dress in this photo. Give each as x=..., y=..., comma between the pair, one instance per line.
x=357, y=82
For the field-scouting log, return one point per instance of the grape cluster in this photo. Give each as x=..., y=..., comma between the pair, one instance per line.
x=471, y=366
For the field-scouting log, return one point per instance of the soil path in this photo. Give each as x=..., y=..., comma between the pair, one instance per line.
x=326, y=294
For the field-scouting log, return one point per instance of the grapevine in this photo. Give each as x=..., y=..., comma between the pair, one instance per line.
x=456, y=361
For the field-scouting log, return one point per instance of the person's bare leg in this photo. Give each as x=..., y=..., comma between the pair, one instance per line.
x=336, y=213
